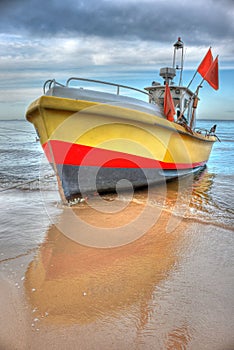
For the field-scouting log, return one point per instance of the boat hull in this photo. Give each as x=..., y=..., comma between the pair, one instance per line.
x=85, y=179
x=97, y=147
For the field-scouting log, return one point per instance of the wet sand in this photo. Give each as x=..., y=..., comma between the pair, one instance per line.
x=161, y=290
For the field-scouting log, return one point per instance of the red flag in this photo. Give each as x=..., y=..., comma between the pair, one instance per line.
x=212, y=76
x=169, y=109
x=205, y=63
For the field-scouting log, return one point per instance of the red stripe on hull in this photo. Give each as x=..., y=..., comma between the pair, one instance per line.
x=75, y=154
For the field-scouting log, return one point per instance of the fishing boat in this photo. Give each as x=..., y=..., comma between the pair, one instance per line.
x=99, y=141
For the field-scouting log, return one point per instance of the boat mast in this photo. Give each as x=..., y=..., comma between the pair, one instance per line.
x=194, y=106
x=179, y=45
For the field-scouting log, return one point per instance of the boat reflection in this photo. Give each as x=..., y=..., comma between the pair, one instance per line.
x=70, y=283
x=188, y=197
x=143, y=289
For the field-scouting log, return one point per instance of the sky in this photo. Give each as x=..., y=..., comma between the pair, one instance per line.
x=122, y=41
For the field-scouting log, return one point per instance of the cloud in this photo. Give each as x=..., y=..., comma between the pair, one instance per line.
x=125, y=41
x=80, y=33
x=200, y=22
x=22, y=52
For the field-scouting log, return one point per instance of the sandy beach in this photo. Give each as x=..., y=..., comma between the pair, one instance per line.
x=71, y=296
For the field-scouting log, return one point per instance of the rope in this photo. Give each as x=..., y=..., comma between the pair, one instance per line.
x=29, y=251
x=18, y=185
x=6, y=136
x=24, y=183
x=26, y=132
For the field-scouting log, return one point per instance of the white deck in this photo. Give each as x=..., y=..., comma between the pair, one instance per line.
x=106, y=98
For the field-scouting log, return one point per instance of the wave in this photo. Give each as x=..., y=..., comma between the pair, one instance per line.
x=203, y=199
x=203, y=217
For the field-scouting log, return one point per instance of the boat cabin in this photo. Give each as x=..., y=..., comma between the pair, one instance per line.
x=182, y=98
x=185, y=101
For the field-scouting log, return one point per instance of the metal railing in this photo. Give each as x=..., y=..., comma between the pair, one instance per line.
x=203, y=131
x=206, y=133
x=48, y=84
x=52, y=83
x=118, y=86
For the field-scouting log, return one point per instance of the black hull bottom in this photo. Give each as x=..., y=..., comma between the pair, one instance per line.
x=81, y=180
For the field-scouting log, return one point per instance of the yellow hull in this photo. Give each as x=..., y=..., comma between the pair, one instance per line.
x=95, y=135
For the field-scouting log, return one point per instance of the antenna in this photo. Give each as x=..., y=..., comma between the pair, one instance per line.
x=179, y=45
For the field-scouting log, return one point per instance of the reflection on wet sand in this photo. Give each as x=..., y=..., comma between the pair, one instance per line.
x=201, y=197
x=178, y=339
x=142, y=295
x=190, y=197
x=196, y=189
x=70, y=283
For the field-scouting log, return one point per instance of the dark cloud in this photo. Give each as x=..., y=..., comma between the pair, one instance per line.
x=200, y=22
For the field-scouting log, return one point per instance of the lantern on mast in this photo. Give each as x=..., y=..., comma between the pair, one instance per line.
x=178, y=63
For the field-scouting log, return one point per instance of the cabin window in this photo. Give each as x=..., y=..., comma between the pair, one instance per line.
x=161, y=101
x=185, y=103
x=176, y=101
x=187, y=109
